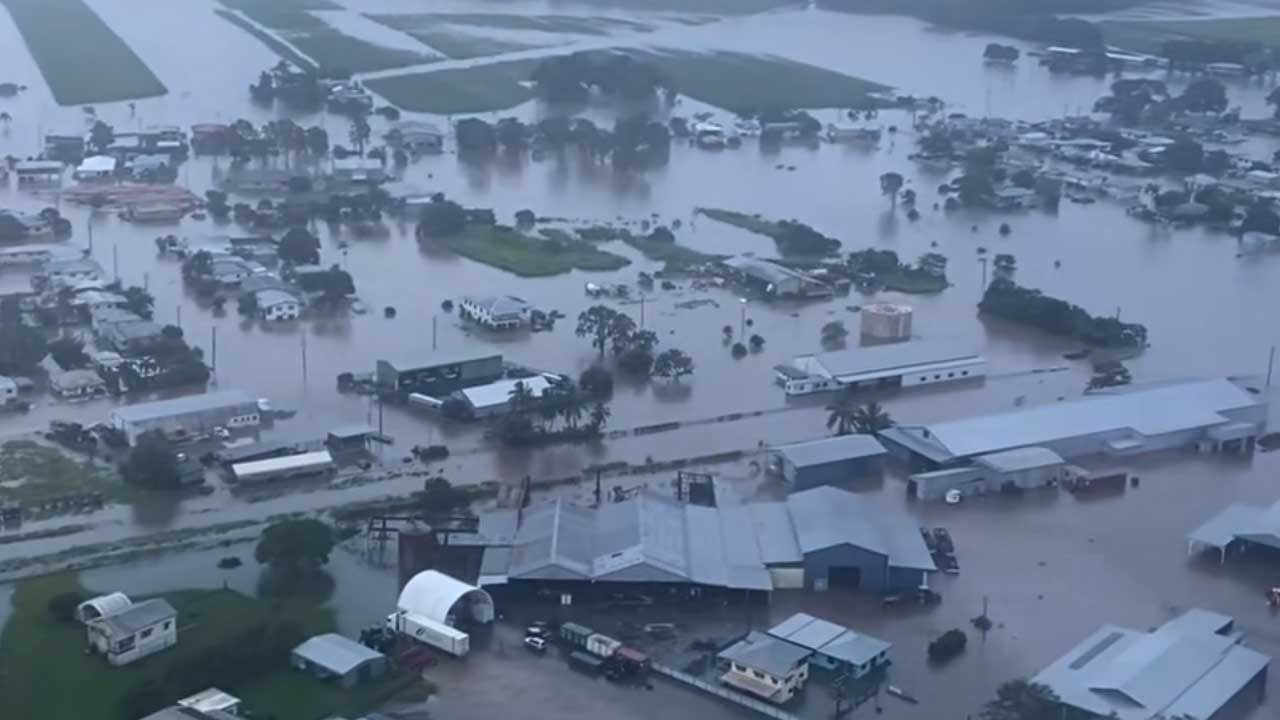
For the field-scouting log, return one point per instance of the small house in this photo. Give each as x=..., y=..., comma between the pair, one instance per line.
x=36, y=172
x=359, y=170
x=130, y=337
x=278, y=305
x=342, y=660
x=95, y=168
x=833, y=647
x=134, y=632
x=67, y=273
x=764, y=666
x=64, y=148
x=415, y=137
x=77, y=384
x=830, y=461
x=505, y=312
x=233, y=270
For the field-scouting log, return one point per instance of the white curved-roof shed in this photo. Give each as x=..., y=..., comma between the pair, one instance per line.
x=435, y=595
x=102, y=606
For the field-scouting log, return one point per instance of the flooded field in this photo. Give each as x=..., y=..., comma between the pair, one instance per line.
x=1205, y=307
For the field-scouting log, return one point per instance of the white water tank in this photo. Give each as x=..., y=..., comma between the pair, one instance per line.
x=886, y=322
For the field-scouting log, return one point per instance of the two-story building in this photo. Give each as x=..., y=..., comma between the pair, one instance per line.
x=764, y=666
x=505, y=312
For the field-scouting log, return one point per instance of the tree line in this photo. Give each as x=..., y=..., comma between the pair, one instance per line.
x=1006, y=299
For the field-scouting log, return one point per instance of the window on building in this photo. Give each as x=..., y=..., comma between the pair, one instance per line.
x=168, y=624
x=964, y=372
x=951, y=375
x=937, y=377
x=147, y=633
x=759, y=675
x=924, y=378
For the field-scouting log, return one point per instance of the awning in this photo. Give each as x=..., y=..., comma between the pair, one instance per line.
x=1233, y=431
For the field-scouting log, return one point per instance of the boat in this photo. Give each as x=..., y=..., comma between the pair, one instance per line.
x=850, y=133
x=898, y=692
x=153, y=213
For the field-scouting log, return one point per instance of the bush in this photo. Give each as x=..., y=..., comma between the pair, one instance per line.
x=636, y=361
x=739, y=350
x=596, y=381
x=62, y=607
x=757, y=343
x=948, y=645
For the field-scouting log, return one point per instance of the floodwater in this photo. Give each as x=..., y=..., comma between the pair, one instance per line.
x=1206, y=310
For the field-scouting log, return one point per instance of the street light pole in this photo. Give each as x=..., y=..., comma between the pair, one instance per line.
x=742, y=322
x=983, y=260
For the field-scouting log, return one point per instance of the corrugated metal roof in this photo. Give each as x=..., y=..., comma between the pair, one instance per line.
x=1180, y=669
x=1253, y=522
x=336, y=653
x=142, y=412
x=832, y=449
x=898, y=357
x=319, y=459
x=827, y=517
x=766, y=654
x=139, y=616
x=827, y=638
x=1146, y=410
x=1028, y=458
x=499, y=393
x=437, y=358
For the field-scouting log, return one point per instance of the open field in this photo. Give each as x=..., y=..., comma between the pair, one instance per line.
x=66, y=37
x=269, y=40
x=331, y=49
x=1148, y=35
x=446, y=40
x=506, y=249
x=31, y=471
x=739, y=82
x=44, y=671
x=572, y=24
x=484, y=88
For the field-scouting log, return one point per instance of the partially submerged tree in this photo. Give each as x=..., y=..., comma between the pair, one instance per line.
x=673, y=364
x=890, y=184
x=295, y=545
x=152, y=463
x=299, y=247
x=870, y=418
x=1022, y=700
x=597, y=322
x=440, y=497
x=68, y=352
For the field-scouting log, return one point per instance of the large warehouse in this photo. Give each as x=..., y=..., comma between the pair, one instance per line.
x=1194, y=666
x=1215, y=414
x=1238, y=526
x=192, y=414
x=820, y=538
x=437, y=374
x=830, y=461
x=896, y=365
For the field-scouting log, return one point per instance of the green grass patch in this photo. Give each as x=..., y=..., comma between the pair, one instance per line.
x=464, y=46
x=793, y=238
x=676, y=257
x=44, y=671
x=31, y=471
x=1148, y=35
x=740, y=82
x=266, y=38
x=750, y=223
x=571, y=24
x=479, y=89
x=913, y=281
x=326, y=45
x=81, y=58
x=527, y=256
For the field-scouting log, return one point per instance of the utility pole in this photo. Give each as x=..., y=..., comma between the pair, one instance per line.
x=88, y=223
x=304, y=357
x=1271, y=363
x=642, y=297
x=433, y=332
x=213, y=342
x=146, y=281
x=179, y=317
x=983, y=261
x=115, y=261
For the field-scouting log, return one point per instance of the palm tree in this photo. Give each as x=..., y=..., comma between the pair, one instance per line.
x=520, y=398
x=841, y=412
x=599, y=416
x=870, y=419
x=571, y=406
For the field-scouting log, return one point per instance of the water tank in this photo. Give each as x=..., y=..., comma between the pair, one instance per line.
x=886, y=322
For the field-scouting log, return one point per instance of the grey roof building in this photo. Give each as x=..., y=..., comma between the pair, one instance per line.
x=139, y=616
x=192, y=413
x=759, y=651
x=1239, y=523
x=1192, y=666
x=340, y=658
x=920, y=362
x=804, y=541
x=832, y=646
x=1119, y=421
x=829, y=461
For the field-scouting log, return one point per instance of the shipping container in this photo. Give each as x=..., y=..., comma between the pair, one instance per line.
x=575, y=635
x=425, y=630
x=602, y=645
x=584, y=662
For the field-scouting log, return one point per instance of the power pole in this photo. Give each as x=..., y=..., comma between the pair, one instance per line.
x=304, y=357
x=1271, y=363
x=642, y=311
x=115, y=261
x=433, y=332
x=213, y=342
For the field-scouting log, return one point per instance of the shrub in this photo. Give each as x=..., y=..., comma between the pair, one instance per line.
x=596, y=381
x=739, y=350
x=948, y=645
x=62, y=607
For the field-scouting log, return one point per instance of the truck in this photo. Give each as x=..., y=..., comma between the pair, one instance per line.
x=575, y=635
x=602, y=645
x=425, y=630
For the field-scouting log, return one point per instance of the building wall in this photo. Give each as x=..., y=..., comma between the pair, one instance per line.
x=787, y=578
x=792, y=683
x=124, y=650
x=832, y=473
x=873, y=567
x=239, y=415
x=962, y=371
x=1242, y=704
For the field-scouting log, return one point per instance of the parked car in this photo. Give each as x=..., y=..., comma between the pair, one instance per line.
x=535, y=644
x=537, y=631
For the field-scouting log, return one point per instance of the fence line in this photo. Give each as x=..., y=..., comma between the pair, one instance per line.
x=724, y=693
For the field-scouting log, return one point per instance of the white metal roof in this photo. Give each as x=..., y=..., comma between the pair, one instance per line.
x=142, y=412
x=210, y=700
x=1028, y=458
x=499, y=393
x=97, y=164
x=829, y=639
x=335, y=653
x=432, y=594
x=1259, y=524
x=767, y=654
x=891, y=359
x=317, y=459
x=1147, y=410
x=1179, y=670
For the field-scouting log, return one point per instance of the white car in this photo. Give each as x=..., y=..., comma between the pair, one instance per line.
x=536, y=644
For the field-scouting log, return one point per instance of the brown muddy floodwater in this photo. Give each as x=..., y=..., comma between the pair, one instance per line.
x=1052, y=568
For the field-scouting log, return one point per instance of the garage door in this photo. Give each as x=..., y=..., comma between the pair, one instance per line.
x=843, y=577
x=787, y=578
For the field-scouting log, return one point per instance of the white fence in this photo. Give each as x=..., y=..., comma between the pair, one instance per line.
x=759, y=706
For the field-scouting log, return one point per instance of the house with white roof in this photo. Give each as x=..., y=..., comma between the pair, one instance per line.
x=504, y=312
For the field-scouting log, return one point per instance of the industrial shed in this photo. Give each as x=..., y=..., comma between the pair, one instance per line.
x=1238, y=526
x=830, y=461
x=833, y=647
x=283, y=468
x=1194, y=666
x=334, y=657
x=437, y=374
x=444, y=599
x=193, y=414
x=1023, y=468
x=906, y=364
x=1214, y=414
